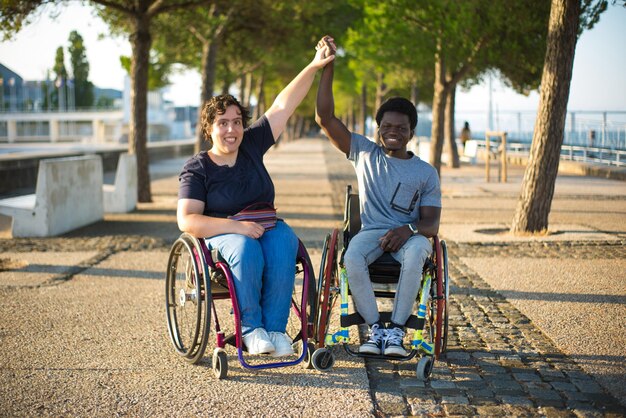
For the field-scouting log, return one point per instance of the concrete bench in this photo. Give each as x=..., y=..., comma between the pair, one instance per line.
x=121, y=197
x=68, y=195
x=470, y=152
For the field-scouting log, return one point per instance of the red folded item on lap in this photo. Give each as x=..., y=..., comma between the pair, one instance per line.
x=262, y=213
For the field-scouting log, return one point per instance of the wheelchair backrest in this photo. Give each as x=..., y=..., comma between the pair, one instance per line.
x=352, y=216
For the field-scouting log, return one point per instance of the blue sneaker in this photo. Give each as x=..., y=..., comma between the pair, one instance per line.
x=374, y=343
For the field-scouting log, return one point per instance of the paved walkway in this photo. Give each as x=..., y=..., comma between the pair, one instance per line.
x=537, y=324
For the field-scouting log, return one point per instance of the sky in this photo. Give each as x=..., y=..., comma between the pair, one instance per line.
x=598, y=80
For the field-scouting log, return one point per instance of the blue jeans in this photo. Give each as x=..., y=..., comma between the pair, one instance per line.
x=264, y=273
x=363, y=250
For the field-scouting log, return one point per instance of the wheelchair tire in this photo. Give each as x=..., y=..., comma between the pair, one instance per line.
x=311, y=308
x=446, y=294
x=424, y=368
x=220, y=363
x=439, y=309
x=323, y=359
x=187, y=303
x=328, y=278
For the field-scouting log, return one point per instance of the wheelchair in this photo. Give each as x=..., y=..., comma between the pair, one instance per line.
x=196, y=278
x=430, y=325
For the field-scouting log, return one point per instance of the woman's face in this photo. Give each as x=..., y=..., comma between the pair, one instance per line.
x=227, y=131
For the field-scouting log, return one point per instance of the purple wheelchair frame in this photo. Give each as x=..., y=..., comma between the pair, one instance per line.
x=209, y=266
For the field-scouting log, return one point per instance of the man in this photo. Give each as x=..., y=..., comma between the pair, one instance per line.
x=400, y=201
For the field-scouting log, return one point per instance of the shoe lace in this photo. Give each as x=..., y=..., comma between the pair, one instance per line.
x=376, y=334
x=395, y=336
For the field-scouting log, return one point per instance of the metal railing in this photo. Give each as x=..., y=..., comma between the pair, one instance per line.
x=595, y=155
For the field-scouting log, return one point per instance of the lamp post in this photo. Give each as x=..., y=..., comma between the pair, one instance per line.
x=12, y=99
x=1, y=94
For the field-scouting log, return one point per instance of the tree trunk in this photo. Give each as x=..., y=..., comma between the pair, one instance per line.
x=140, y=41
x=249, y=87
x=260, y=94
x=381, y=90
x=209, y=55
x=414, y=94
x=450, y=135
x=363, y=115
x=242, y=89
x=535, y=199
x=439, y=103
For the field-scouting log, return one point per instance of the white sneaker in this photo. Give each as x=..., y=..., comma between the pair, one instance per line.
x=258, y=342
x=282, y=344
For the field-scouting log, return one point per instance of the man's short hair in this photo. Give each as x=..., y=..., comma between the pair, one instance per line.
x=400, y=105
x=217, y=105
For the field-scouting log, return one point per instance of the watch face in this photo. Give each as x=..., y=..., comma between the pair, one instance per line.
x=413, y=228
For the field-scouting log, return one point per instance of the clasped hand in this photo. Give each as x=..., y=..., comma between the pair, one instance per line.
x=395, y=238
x=250, y=229
x=326, y=50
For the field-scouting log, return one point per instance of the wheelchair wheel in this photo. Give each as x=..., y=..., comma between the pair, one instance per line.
x=187, y=302
x=304, y=261
x=220, y=363
x=424, y=368
x=328, y=278
x=323, y=359
x=446, y=294
x=439, y=316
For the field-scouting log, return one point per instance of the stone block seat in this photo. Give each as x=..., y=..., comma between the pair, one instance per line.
x=68, y=195
x=121, y=197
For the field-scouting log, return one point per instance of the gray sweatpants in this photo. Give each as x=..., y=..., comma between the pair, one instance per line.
x=364, y=249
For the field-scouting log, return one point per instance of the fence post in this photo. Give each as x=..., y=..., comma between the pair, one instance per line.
x=503, y=178
x=487, y=152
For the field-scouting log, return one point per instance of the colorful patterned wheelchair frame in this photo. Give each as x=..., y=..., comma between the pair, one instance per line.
x=430, y=325
x=196, y=278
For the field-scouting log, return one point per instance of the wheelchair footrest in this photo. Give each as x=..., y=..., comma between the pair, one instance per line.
x=354, y=353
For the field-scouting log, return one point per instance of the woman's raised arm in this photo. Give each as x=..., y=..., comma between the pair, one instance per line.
x=291, y=96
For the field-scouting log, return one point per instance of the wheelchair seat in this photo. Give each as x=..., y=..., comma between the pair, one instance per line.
x=385, y=270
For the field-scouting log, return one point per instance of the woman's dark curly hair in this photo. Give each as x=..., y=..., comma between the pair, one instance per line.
x=217, y=106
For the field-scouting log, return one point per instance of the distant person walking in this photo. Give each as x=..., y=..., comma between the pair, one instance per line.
x=466, y=133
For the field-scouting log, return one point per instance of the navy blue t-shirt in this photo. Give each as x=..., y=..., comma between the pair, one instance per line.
x=227, y=190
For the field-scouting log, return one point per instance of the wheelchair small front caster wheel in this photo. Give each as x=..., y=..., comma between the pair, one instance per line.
x=322, y=359
x=220, y=363
x=424, y=368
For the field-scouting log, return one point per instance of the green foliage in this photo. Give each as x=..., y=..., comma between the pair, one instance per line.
x=59, y=65
x=14, y=14
x=158, y=71
x=83, y=88
x=590, y=13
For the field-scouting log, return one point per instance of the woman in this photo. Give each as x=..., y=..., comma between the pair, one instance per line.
x=224, y=181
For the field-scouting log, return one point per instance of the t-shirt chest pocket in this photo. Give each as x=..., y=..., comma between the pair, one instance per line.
x=405, y=197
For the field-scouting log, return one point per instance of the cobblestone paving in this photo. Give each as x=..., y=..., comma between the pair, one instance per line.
x=498, y=363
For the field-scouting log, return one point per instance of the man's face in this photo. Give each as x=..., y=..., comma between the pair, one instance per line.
x=395, y=131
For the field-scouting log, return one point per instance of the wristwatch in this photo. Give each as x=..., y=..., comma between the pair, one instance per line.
x=413, y=228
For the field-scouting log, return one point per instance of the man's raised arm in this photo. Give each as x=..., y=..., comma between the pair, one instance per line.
x=325, y=117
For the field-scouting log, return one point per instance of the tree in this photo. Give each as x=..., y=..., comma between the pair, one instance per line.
x=83, y=88
x=463, y=39
x=533, y=208
x=204, y=28
x=133, y=18
x=60, y=80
